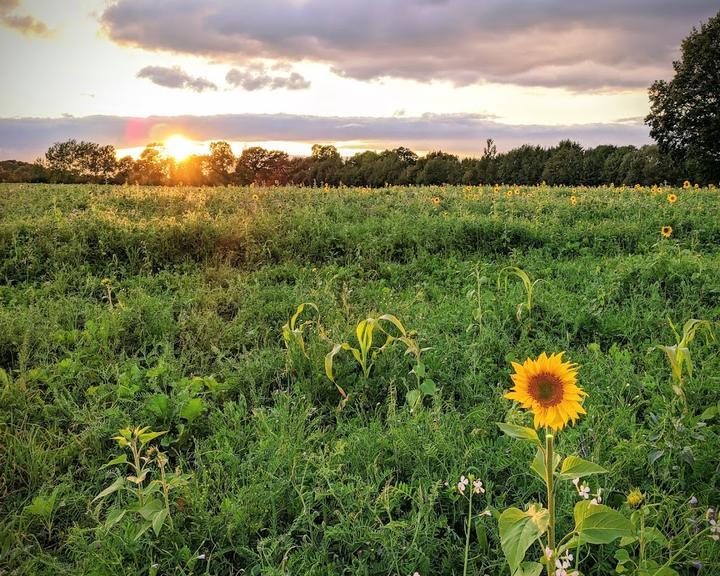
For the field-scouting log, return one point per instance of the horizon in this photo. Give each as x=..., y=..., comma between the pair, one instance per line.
x=425, y=75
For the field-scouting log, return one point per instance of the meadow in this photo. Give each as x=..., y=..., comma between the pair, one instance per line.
x=172, y=309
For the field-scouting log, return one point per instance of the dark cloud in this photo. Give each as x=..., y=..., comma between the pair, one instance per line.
x=175, y=77
x=24, y=24
x=581, y=45
x=257, y=78
x=27, y=138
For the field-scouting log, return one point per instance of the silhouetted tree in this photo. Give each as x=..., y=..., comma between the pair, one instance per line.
x=221, y=163
x=684, y=114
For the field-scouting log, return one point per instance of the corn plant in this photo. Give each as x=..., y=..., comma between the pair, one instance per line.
x=293, y=332
x=528, y=285
x=365, y=352
x=678, y=355
x=152, y=498
x=475, y=294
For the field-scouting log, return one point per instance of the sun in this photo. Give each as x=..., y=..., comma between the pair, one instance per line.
x=179, y=147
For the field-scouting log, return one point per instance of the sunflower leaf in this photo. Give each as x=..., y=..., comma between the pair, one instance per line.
x=519, y=432
x=574, y=467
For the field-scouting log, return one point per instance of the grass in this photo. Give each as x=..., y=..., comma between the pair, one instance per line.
x=111, y=297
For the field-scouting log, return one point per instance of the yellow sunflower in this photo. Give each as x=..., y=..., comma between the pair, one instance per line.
x=573, y=200
x=686, y=184
x=666, y=231
x=672, y=198
x=548, y=387
x=255, y=197
x=436, y=200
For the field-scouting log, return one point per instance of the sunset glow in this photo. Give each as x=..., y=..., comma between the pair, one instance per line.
x=180, y=148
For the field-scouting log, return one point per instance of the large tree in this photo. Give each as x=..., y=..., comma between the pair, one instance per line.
x=684, y=114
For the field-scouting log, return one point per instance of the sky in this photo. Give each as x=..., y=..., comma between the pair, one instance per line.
x=359, y=74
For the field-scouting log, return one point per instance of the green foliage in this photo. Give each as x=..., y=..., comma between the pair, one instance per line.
x=202, y=280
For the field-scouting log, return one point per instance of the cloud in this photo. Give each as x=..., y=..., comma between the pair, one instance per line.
x=465, y=134
x=256, y=78
x=579, y=45
x=27, y=25
x=175, y=77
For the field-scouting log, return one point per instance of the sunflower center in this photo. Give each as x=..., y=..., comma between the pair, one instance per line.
x=546, y=389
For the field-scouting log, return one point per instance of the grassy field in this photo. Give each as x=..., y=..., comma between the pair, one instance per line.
x=164, y=307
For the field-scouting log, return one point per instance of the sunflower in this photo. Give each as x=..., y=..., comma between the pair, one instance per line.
x=671, y=198
x=255, y=197
x=436, y=200
x=635, y=498
x=573, y=200
x=548, y=387
x=666, y=231
x=686, y=184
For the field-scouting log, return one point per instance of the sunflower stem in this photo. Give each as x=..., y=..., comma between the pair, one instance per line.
x=550, y=482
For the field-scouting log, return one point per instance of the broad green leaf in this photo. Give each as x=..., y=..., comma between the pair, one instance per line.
x=538, y=464
x=413, y=398
x=158, y=520
x=529, y=569
x=574, y=467
x=598, y=524
x=114, y=487
x=428, y=387
x=122, y=459
x=159, y=405
x=149, y=509
x=142, y=528
x=115, y=515
x=192, y=409
x=148, y=436
x=519, y=432
x=518, y=530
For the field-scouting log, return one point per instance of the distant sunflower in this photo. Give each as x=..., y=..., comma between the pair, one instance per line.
x=671, y=198
x=548, y=387
x=255, y=197
x=573, y=200
x=436, y=200
x=666, y=231
x=686, y=184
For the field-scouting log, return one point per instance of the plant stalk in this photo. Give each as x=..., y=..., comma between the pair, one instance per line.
x=550, y=481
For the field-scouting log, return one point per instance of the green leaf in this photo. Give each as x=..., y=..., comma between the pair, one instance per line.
x=518, y=530
x=538, y=464
x=519, y=432
x=574, y=467
x=150, y=508
x=159, y=405
x=529, y=569
x=115, y=515
x=158, y=521
x=428, y=387
x=413, y=398
x=598, y=524
x=114, y=487
x=122, y=459
x=192, y=409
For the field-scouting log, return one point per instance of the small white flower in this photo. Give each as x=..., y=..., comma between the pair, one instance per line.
x=584, y=491
x=548, y=552
x=464, y=480
x=575, y=481
x=201, y=557
x=461, y=487
x=478, y=487
x=416, y=573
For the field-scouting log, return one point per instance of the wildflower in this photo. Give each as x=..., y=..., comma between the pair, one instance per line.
x=666, y=231
x=548, y=552
x=436, y=200
x=686, y=184
x=462, y=484
x=671, y=198
x=416, y=573
x=598, y=498
x=562, y=564
x=478, y=487
x=573, y=200
x=255, y=197
x=201, y=557
x=548, y=387
x=692, y=502
x=635, y=498
x=582, y=490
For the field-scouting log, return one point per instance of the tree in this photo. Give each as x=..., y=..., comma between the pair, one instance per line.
x=73, y=161
x=221, y=163
x=152, y=168
x=259, y=166
x=684, y=114
x=565, y=165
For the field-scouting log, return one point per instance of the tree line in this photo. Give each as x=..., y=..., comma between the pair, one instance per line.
x=567, y=163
